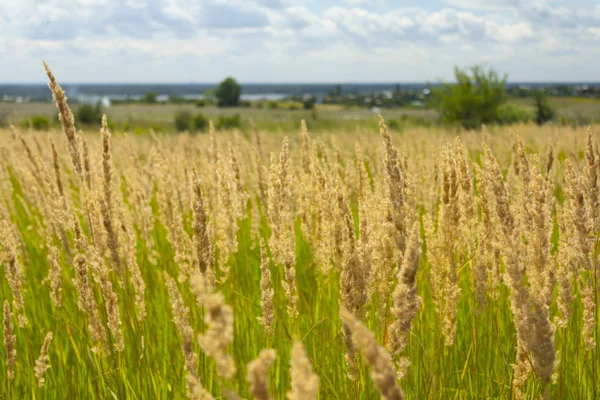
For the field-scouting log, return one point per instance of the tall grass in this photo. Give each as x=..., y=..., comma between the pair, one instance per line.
x=347, y=267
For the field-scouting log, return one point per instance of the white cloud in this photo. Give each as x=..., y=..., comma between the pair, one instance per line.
x=230, y=35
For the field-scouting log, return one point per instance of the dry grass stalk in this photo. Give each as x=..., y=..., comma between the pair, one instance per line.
x=441, y=249
x=258, y=374
x=56, y=165
x=54, y=278
x=41, y=364
x=396, y=187
x=535, y=332
x=13, y=271
x=181, y=319
x=86, y=300
x=219, y=318
x=106, y=164
x=130, y=242
x=9, y=342
x=466, y=195
x=266, y=292
x=305, y=384
x=111, y=300
x=66, y=118
x=383, y=372
x=280, y=220
x=353, y=275
x=195, y=389
x=406, y=301
x=226, y=216
x=202, y=241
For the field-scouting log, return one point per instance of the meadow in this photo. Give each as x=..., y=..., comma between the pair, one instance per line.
x=358, y=264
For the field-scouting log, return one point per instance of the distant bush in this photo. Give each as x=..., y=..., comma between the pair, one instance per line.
x=543, y=111
x=272, y=105
x=200, y=103
x=183, y=121
x=37, y=122
x=309, y=103
x=175, y=99
x=200, y=122
x=150, y=98
x=509, y=114
x=393, y=124
x=89, y=114
x=229, y=121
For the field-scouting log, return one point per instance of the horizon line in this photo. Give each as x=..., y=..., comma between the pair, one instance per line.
x=571, y=82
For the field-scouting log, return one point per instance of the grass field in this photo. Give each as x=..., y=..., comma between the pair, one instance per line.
x=138, y=118
x=297, y=265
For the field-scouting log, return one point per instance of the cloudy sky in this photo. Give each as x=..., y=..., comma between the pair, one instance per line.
x=297, y=40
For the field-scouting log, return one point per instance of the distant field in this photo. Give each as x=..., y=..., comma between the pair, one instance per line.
x=567, y=106
x=162, y=114
x=325, y=117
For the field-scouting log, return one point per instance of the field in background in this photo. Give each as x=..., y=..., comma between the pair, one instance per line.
x=139, y=118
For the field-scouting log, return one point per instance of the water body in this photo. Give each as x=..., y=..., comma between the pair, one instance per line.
x=253, y=91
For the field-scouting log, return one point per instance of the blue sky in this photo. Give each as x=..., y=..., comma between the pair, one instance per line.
x=297, y=40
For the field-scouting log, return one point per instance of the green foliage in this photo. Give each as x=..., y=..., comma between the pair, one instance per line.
x=272, y=105
x=509, y=114
x=229, y=121
x=543, y=112
x=200, y=103
x=309, y=103
x=473, y=100
x=228, y=93
x=200, y=122
x=183, y=121
x=88, y=114
x=393, y=124
x=150, y=98
x=175, y=99
x=37, y=122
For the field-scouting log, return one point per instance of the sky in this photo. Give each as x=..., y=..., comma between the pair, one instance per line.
x=277, y=41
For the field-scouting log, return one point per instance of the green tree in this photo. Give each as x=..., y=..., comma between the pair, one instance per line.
x=543, y=111
x=308, y=103
x=150, y=98
x=89, y=114
x=474, y=99
x=200, y=122
x=183, y=121
x=228, y=93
